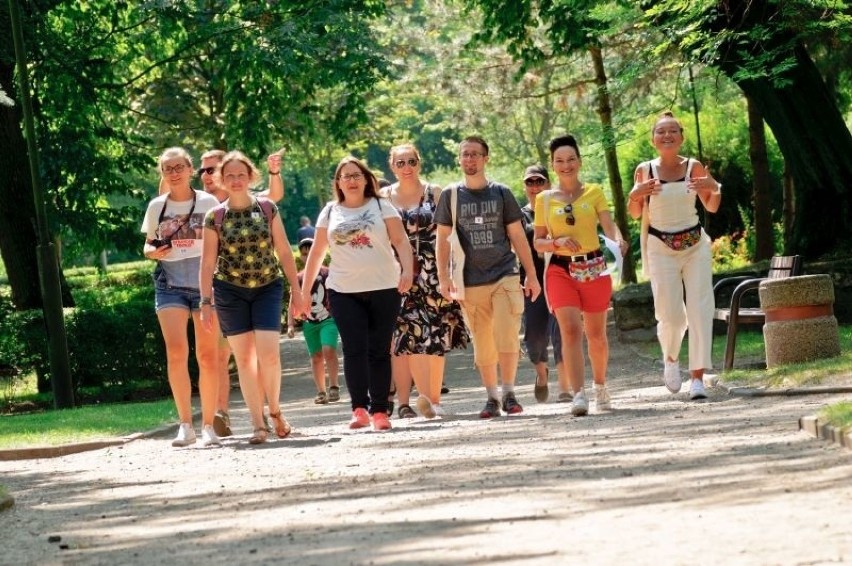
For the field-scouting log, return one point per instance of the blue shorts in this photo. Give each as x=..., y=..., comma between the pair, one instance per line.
x=244, y=309
x=319, y=334
x=176, y=297
x=166, y=296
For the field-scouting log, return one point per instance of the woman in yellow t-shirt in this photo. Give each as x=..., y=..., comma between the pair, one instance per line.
x=577, y=290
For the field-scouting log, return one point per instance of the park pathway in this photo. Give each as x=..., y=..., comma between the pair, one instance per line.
x=659, y=480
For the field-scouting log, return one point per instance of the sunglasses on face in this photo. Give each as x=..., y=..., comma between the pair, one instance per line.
x=569, y=214
x=208, y=170
x=411, y=161
x=535, y=182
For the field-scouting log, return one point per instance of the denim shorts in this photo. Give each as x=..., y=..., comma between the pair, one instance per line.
x=166, y=296
x=244, y=309
x=176, y=297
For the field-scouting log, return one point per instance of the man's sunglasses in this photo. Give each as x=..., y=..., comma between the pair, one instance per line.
x=535, y=182
x=208, y=170
x=569, y=214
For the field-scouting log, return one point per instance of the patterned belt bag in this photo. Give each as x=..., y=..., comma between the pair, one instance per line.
x=678, y=241
x=582, y=270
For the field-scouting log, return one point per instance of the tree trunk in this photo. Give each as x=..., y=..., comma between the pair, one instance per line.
x=761, y=179
x=605, y=113
x=816, y=145
x=18, y=237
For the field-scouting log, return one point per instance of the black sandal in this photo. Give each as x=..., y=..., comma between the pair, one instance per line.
x=406, y=412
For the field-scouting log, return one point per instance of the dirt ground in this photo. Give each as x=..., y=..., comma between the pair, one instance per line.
x=659, y=480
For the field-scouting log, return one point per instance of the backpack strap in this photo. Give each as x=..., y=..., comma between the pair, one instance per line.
x=267, y=207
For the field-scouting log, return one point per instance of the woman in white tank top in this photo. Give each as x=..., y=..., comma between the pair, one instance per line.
x=676, y=250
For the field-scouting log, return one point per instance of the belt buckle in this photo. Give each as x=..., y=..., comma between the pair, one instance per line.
x=581, y=257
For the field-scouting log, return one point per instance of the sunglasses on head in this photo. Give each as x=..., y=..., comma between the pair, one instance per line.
x=569, y=214
x=535, y=182
x=400, y=163
x=208, y=170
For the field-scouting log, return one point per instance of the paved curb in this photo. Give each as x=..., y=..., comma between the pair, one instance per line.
x=762, y=392
x=822, y=430
x=33, y=452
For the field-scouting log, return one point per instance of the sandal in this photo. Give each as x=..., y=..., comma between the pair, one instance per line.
x=282, y=427
x=333, y=393
x=406, y=412
x=258, y=437
x=321, y=398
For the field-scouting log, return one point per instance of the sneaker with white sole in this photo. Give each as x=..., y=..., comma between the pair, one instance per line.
x=580, y=405
x=602, y=398
x=671, y=376
x=185, y=436
x=696, y=389
x=209, y=436
x=439, y=409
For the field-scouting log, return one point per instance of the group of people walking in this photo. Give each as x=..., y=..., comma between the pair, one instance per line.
x=395, y=288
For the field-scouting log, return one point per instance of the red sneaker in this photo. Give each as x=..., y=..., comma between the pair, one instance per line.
x=381, y=422
x=360, y=418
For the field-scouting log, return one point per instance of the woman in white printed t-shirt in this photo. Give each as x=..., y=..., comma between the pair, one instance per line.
x=172, y=228
x=365, y=280
x=676, y=250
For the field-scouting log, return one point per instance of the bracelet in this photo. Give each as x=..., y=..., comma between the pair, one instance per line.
x=205, y=301
x=275, y=173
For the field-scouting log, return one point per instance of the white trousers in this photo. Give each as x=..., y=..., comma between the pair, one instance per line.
x=671, y=272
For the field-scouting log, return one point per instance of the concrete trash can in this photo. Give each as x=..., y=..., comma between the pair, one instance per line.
x=800, y=324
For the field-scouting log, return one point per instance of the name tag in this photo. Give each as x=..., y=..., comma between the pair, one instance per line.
x=255, y=215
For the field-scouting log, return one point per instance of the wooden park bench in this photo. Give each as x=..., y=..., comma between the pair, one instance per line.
x=734, y=315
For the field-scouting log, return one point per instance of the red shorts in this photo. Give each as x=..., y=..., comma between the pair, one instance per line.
x=564, y=291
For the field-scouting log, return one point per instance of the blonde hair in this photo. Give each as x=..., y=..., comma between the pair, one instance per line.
x=240, y=157
x=216, y=154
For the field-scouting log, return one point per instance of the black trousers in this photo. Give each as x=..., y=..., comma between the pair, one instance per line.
x=366, y=322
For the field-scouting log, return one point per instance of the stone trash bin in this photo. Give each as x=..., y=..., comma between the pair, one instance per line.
x=800, y=324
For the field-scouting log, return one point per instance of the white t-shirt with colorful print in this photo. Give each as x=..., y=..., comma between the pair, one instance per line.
x=362, y=257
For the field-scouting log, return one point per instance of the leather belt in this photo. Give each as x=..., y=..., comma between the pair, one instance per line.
x=566, y=259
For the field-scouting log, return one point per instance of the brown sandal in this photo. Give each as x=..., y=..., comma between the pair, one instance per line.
x=282, y=427
x=258, y=437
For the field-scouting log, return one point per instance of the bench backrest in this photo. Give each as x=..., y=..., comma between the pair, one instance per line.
x=784, y=266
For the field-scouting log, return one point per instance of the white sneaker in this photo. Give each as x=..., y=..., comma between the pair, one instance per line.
x=424, y=405
x=185, y=435
x=602, y=399
x=671, y=376
x=209, y=437
x=696, y=389
x=580, y=406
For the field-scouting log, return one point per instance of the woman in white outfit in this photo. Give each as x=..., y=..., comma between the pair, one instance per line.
x=676, y=250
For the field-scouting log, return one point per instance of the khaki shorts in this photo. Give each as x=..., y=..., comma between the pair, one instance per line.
x=493, y=314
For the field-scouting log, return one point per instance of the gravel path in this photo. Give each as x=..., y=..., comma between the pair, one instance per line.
x=659, y=480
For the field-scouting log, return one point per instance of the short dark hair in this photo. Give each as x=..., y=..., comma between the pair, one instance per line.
x=561, y=141
x=476, y=139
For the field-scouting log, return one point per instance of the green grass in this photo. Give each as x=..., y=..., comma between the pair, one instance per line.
x=838, y=415
x=751, y=353
x=51, y=428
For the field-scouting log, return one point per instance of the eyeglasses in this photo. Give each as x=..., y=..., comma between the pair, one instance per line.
x=471, y=155
x=569, y=214
x=352, y=177
x=208, y=170
x=535, y=182
x=411, y=161
x=168, y=170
